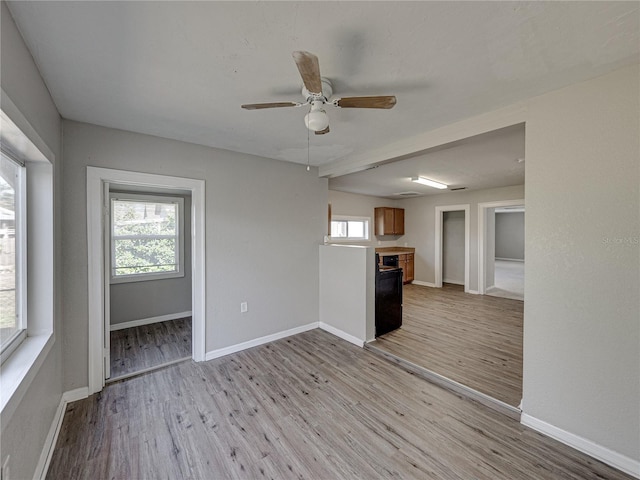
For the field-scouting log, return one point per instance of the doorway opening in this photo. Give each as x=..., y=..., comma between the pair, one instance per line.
x=452, y=231
x=149, y=291
x=100, y=183
x=501, y=262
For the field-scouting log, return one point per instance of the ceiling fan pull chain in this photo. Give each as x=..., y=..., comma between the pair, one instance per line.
x=308, y=168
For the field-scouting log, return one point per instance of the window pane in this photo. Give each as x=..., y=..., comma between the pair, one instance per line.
x=144, y=218
x=145, y=237
x=338, y=229
x=9, y=308
x=148, y=255
x=356, y=229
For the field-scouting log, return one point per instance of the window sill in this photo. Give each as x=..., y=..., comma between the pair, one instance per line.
x=145, y=277
x=19, y=370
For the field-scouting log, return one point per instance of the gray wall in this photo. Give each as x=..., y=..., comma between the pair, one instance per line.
x=453, y=247
x=264, y=222
x=419, y=221
x=27, y=428
x=510, y=235
x=582, y=308
x=154, y=298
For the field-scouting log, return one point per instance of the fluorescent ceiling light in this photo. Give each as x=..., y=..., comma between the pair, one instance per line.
x=429, y=183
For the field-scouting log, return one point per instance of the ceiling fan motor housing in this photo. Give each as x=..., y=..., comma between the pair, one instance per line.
x=324, y=96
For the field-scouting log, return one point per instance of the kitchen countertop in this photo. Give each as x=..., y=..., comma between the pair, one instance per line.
x=403, y=251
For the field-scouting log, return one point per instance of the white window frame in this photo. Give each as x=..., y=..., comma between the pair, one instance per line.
x=21, y=256
x=143, y=277
x=20, y=368
x=348, y=218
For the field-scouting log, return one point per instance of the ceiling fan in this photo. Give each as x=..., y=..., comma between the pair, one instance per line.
x=317, y=92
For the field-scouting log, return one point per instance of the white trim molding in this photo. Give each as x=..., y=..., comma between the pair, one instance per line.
x=341, y=334
x=438, y=241
x=482, y=236
x=615, y=459
x=149, y=321
x=424, y=284
x=221, y=352
x=54, y=430
x=97, y=178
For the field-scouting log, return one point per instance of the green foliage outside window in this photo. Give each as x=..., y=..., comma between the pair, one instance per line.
x=145, y=236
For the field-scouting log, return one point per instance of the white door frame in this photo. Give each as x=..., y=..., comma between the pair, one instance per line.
x=438, y=233
x=96, y=178
x=482, y=236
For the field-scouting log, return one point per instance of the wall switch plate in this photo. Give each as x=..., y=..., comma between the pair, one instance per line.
x=243, y=307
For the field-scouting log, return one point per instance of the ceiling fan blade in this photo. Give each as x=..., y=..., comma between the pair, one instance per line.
x=366, y=102
x=309, y=69
x=258, y=106
x=322, y=132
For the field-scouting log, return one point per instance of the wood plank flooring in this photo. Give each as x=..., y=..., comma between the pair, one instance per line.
x=140, y=348
x=311, y=406
x=475, y=340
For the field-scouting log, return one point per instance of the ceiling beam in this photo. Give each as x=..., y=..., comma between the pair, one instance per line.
x=408, y=147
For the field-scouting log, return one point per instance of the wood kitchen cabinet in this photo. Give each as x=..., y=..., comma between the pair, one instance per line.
x=389, y=221
x=406, y=256
x=406, y=262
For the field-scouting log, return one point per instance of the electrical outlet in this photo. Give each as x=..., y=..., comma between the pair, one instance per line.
x=243, y=307
x=4, y=473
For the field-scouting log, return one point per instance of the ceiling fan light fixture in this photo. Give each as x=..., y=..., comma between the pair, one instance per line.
x=316, y=120
x=429, y=183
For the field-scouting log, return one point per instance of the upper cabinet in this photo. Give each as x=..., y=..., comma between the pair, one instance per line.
x=389, y=221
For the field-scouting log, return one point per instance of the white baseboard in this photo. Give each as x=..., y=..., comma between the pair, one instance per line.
x=52, y=437
x=473, y=292
x=150, y=320
x=343, y=335
x=455, y=282
x=521, y=260
x=424, y=284
x=221, y=352
x=615, y=459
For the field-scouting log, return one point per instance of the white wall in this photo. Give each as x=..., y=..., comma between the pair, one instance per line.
x=154, y=298
x=582, y=309
x=419, y=218
x=264, y=222
x=356, y=205
x=453, y=247
x=509, y=235
x=490, y=247
x=347, y=291
x=24, y=433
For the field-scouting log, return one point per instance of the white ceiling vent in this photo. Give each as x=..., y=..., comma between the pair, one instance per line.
x=407, y=194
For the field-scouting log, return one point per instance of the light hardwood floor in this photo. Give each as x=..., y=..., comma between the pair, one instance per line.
x=140, y=348
x=475, y=340
x=310, y=406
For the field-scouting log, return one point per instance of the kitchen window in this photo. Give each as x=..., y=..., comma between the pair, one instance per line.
x=347, y=229
x=147, y=238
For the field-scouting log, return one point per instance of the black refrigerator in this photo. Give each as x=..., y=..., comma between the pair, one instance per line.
x=388, y=299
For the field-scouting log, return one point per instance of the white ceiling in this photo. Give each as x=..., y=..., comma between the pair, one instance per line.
x=181, y=70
